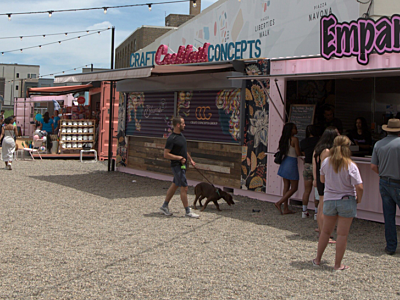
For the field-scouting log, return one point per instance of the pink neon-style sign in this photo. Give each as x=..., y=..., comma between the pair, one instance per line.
x=185, y=55
x=359, y=38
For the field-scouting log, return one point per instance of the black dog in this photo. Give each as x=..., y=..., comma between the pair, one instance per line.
x=206, y=190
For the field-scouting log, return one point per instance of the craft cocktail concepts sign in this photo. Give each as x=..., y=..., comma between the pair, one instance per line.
x=234, y=29
x=359, y=38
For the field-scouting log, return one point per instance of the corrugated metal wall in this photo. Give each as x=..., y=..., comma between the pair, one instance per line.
x=149, y=114
x=211, y=115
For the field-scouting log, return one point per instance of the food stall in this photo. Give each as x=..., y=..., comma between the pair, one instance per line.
x=85, y=120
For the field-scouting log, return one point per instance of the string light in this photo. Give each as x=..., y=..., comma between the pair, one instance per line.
x=105, y=10
x=50, y=13
x=50, y=34
x=92, y=8
x=194, y=3
x=59, y=42
x=149, y=7
x=62, y=72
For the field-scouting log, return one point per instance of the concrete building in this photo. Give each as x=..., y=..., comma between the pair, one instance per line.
x=139, y=39
x=146, y=35
x=14, y=79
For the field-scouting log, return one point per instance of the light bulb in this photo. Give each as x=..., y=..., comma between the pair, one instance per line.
x=9, y=17
x=44, y=36
x=149, y=7
x=21, y=37
x=20, y=49
x=194, y=3
x=105, y=10
x=66, y=33
x=50, y=13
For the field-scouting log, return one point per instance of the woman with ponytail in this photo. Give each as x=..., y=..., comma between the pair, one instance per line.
x=343, y=190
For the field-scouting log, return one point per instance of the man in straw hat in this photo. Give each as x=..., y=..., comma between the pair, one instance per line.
x=386, y=162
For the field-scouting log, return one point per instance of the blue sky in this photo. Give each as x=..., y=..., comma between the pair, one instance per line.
x=94, y=49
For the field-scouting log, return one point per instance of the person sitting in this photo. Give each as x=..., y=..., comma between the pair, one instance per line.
x=360, y=135
x=330, y=120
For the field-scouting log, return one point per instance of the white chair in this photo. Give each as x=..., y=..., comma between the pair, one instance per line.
x=30, y=151
x=88, y=151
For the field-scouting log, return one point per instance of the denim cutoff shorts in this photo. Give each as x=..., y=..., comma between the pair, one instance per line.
x=346, y=208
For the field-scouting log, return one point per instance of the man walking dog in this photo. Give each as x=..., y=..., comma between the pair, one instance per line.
x=176, y=151
x=386, y=162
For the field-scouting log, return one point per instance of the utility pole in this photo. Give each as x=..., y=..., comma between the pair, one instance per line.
x=111, y=113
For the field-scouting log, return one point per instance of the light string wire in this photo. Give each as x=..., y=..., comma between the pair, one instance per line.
x=49, y=34
x=60, y=72
x=52, y=43
x=105, y=8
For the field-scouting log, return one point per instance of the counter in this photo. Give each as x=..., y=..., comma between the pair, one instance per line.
x=370, y=207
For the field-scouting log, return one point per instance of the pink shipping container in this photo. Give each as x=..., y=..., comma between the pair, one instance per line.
x=100, y=100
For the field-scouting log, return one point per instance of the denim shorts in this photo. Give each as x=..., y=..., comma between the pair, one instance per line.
x=179, y=176
x=346, y=208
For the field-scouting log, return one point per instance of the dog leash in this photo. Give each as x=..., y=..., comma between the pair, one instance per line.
x=207, y=180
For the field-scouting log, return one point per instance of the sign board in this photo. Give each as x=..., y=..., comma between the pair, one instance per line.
x=235, y=29
x=359, y=38
x=81, y=100
x=302, y=115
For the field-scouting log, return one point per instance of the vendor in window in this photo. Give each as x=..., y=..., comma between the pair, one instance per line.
x=331, y=120
x=360, y=135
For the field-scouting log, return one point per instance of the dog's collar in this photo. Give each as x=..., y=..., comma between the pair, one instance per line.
x=217, y=192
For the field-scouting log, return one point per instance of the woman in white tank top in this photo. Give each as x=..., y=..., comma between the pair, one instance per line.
x=288, y=170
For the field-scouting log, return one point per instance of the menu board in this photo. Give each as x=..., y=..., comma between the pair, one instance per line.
x=302, y=115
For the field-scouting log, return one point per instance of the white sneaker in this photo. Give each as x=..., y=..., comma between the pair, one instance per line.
x=315, y=217
x=305, y=214
x=9, y=166
x=165, y=211
x=192, y=215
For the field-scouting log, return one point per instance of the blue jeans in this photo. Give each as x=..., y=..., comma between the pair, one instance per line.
x=390, y=193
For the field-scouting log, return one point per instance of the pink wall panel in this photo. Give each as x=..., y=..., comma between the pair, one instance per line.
x=274, y=182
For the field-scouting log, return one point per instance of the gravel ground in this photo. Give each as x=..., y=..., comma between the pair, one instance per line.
x=75, y=231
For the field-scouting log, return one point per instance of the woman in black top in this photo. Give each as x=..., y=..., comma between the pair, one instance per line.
x=360, y=135
x=307, y=148
x=321, y=152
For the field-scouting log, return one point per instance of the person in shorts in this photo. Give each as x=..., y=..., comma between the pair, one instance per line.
x=307, y=148
x=343, y=191
x=176, y=151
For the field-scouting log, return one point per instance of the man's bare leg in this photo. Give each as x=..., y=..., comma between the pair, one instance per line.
x=171, y=192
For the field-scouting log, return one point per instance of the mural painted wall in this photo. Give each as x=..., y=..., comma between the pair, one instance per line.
x=252, y=29
x=122, y=146
x=211, y=115
x=254, y=159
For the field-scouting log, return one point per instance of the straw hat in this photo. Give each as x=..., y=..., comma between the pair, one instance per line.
x=392, y=126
